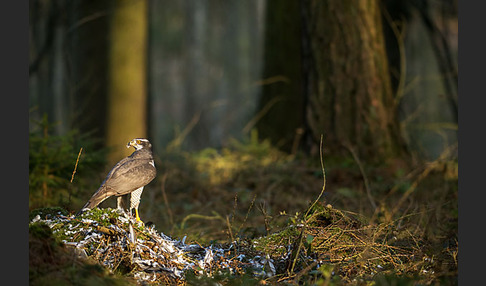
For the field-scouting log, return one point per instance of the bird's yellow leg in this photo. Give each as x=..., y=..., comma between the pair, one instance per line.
x=137, y=217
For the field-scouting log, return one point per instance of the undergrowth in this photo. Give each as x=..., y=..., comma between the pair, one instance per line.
x=53, y=165
x=252, y=194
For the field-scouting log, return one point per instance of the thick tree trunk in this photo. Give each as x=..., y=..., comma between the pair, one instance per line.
x=350, y=96
x=127, y=91
x=281, y=104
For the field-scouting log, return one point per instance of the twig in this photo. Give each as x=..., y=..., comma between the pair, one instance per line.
x=247, y=213
x=363, y=174
x=182, y=136
x=235, y=205
x=260, y=114
x=323, y=178
x=429, y=168
x=262, y=209
x=229, y=229
x=308, y=268
x=86, y=20
x=301, y=235
x=76, y=166
x=297, y=252
x=206, y=217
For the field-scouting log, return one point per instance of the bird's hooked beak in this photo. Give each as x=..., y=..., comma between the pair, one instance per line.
x=134, y=143
x=131, y=143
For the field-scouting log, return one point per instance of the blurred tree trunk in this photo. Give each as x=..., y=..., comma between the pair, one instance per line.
x=348, y=82
x=127, y=86
x=47, y=73
x=281, y=106
x=86, y=51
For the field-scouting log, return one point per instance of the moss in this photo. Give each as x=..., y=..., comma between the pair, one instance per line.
x=276, y=244
x=102, y=216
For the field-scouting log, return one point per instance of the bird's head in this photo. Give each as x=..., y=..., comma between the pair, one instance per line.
x=139, y=143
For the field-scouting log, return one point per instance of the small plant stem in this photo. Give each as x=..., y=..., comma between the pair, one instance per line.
x=76, y=165
x=363, y=174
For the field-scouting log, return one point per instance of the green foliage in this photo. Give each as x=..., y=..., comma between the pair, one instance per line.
x=275, y=244
x=52, y=162
x=327, y=277
x=258, y=149
x=103, y=216
x=240, y=158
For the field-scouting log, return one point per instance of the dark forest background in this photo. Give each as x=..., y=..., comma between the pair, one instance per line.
x=378, y=75
x=235, y=97
x=376, y=79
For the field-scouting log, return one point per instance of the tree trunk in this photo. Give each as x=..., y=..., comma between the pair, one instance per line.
x=127, y=91
x=281, y=104
x=47, y=68
x=350, y=96
x=86, y=51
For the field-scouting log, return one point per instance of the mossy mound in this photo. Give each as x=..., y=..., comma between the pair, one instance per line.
x=52, y=263
x=125, y=247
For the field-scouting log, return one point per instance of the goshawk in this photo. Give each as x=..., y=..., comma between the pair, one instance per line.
x=129, y=176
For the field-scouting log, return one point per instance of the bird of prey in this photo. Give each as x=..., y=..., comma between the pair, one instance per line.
x=129, y=176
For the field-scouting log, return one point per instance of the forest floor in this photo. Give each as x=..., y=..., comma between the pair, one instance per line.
x=267, y=217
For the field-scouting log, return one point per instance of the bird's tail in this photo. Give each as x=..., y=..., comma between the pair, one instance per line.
x=95, y=200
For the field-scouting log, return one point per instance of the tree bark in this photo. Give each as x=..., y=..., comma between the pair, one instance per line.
x=127, y=90
x=350, y=96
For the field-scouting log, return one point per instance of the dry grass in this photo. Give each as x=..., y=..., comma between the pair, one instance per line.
x=273, y=211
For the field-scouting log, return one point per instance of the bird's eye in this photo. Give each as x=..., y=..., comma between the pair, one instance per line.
x=138, y=141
